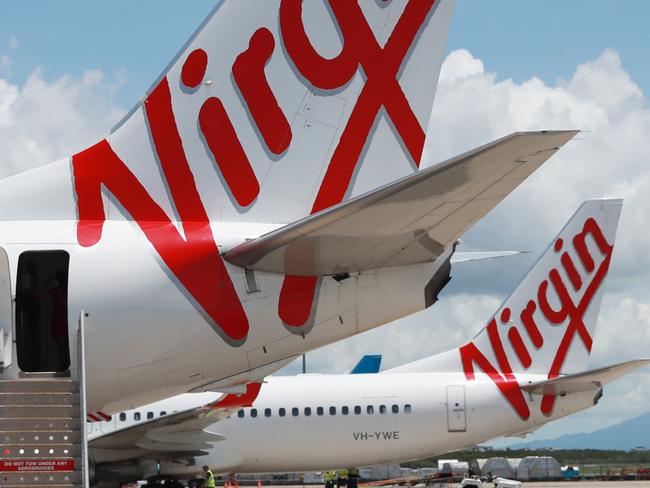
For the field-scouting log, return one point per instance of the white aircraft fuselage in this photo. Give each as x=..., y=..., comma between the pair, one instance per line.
x=145, y=339
x=528, y=366
x=316, y=422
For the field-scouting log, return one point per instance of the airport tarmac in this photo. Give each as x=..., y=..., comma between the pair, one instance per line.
x=574, y=484
x=585, y=484
x=529, y=484
x=571, y=484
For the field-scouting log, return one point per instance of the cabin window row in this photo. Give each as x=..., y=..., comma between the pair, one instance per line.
x=137, y=416
x=320, y=411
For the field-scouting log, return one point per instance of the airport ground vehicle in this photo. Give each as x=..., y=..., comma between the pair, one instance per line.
x=527, y=367
x=496, y=483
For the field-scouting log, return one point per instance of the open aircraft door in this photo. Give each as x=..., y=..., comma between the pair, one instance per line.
x=456, y=418
x=6, y=312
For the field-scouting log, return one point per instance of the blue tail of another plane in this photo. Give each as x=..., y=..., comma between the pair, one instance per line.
x=368, y=364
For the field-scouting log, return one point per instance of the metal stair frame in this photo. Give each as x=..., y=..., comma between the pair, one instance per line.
x=43, y=418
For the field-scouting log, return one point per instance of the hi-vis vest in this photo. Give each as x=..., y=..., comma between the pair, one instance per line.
x=209, y=479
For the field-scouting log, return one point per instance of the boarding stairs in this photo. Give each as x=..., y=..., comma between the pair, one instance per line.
x=43, y=423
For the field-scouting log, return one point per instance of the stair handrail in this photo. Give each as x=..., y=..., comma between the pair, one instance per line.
x=81, y=373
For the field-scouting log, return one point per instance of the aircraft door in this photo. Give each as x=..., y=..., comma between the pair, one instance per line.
x=6, y=312
x=456, y=419
x=42, y=342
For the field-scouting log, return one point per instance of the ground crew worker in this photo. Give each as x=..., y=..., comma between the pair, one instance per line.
x=208, y=481
x=353, y=478
x=328, y=478
x=342, y=478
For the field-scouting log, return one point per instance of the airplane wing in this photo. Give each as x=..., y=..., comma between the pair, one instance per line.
x=405, y=222
x=184, y=432
x=585, y=381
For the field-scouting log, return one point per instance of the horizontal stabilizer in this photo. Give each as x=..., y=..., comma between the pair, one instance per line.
x=585, y=381
x=465, y=257
x=406, y=222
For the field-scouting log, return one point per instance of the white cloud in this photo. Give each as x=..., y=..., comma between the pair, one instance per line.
x=611, y=158
x=12, y=43
x=44, y=120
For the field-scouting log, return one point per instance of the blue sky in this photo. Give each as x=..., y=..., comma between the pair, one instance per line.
x=516, y=39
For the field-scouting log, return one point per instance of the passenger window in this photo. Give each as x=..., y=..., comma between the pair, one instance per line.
x=267, y=412
x=253, y=412
x=345, y=410
x=163, y=413
x=395, y=408
x=295, y=411
x=149, y=415
x=382, y=409
x=122, y=417
x=357, y=410
x=307, y=411
x=407, y=408
x=319, y=411
x=240, y=414
x=136, y=416
x=282, y=412
x=370, y=410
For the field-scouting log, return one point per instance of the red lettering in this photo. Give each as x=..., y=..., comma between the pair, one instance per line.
x=296, y=299
x=564, y=312
x=505, y=381
x=529, y=323
x=381, y=89
x=194, y=68
x=519, y=347
x=248, y=72
x=576, y=326
x=571, y=271
x=194, y=260
x=590, y=228
x=228, y=152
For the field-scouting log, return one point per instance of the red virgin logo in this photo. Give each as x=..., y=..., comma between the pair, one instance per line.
x=193, y=258
x=561, y=311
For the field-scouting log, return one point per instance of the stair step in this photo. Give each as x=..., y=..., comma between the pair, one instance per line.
x=39, y=450
x=38, y=412
x=39, y=386
x=58, y=398
x=39, y=436
x=45, y=424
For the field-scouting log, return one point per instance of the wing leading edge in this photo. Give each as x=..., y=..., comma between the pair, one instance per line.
x=406, y=222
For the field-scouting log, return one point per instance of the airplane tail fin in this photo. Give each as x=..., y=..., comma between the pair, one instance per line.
x=546, y=326
x=273, y=111
x=368, y=364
